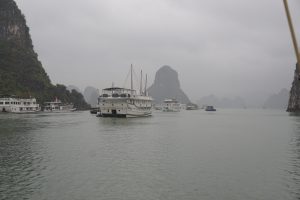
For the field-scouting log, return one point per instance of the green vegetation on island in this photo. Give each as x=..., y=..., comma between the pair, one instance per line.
x=21, y=73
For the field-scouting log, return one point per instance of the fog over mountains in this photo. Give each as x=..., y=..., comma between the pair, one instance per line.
x=213, y=100
x=278, y=101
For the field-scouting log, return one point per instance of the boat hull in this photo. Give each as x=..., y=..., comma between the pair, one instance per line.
x=120, y=108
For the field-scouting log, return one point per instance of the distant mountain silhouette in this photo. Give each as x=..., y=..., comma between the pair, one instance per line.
x=91, y=95
x=237, y=102
x=278, y=101
x=166, y=85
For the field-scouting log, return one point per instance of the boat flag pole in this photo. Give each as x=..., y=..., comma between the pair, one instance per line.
x=131, y=84
x=141, y=84
x=289, y=18
x=146, y=86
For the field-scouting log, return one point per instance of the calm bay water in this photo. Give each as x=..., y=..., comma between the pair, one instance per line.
x=229, y=154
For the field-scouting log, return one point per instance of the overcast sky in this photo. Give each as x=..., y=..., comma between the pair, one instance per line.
x=223, y=47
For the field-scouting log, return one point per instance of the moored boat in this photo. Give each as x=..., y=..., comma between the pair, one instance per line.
x=123, y=102
x=18, y=105
x=171, y=105
x=192, y=106
x=210, y=108
x=58, y=106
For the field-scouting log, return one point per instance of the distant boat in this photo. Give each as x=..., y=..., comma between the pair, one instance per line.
x=94, y=110
x=210, y=108
x=18, y=105
x=192, y=107
x=125, y=103
x=171, y=105
x=57, y=106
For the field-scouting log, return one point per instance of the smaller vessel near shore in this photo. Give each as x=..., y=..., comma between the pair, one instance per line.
x=58, y=106
x=18, y=105
x=210, y=108
x=171, y=105
x=192, y=106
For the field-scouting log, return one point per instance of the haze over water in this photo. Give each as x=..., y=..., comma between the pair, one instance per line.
x=230, y=154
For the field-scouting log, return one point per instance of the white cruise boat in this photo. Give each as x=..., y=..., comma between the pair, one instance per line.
x=18, y=105
x=171, y=105
x=57, y=106
x=122, y=102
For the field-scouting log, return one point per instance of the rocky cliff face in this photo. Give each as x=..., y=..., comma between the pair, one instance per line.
x=166, y=85
x=20, y=70
x=21, y=73
x=13, y=25
x=294, y=100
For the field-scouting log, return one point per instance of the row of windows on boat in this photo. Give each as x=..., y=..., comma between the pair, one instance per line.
x=31, y=108
x=115, y=95
x=132, y=102
x=16, y=103
x=147, y=105
x=123, y=110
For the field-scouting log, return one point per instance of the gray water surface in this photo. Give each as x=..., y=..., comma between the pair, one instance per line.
x=228, y=154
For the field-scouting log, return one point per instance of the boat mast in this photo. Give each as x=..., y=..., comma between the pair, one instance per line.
x=145, y=91
x=289, y=18
x=141, y=83
x=131, y=84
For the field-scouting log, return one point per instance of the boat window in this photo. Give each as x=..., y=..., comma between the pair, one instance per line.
x=1, y=102
x=6, y=103
x=128, y=95
x=105, y=95
x=115, y=95
x=123, y=95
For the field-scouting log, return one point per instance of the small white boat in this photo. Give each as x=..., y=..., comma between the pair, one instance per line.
x=18, y=105
x=171, y=105
x=57, y=106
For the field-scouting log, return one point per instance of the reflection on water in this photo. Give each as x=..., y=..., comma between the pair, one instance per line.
x=230, y=154
x=20, y=163
x=294, y=163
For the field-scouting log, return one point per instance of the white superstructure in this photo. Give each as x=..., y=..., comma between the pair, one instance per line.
x=18, y=105
x=122, y=102
x=57, y=106
x=171, y=105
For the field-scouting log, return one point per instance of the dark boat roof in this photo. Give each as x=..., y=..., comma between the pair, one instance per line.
x=115, y=88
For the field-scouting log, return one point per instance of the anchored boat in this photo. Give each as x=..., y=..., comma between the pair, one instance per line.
x=171, y=105
x=123, y=102
x=18, y=105
x=57, y=106
x=210, y=108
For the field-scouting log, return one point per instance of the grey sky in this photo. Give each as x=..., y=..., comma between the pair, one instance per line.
x=223, y=47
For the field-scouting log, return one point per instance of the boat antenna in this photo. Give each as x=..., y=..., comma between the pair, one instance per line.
x=145, y=86
x=131, y=84
x=289, y=18
x=141, y=83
